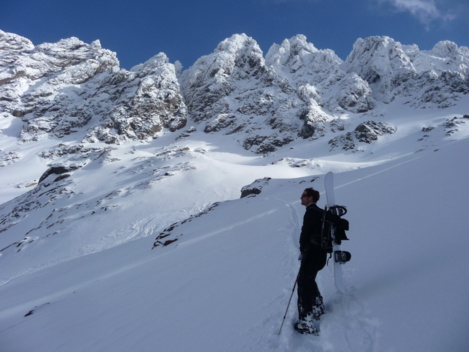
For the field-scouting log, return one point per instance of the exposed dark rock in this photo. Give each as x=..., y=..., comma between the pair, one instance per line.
x=58, y=170
x=366, y=132
x=452, y=125
x=255, y=187
x=168, y=232
x=266, y=144
x=369, y=132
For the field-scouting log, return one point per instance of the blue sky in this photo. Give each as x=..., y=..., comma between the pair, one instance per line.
x=187, y=29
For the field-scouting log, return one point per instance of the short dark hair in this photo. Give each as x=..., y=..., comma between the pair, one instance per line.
x=311, y=192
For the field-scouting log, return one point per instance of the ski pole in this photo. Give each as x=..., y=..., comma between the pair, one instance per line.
x=288, y=306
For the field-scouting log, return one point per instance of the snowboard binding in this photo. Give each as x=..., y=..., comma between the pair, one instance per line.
x=339, y=210
x=342, y=257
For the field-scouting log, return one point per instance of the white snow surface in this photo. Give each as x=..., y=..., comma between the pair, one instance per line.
x=90, y=280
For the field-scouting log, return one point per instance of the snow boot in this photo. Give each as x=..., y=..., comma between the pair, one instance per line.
x=307, y=326
x=318, y=308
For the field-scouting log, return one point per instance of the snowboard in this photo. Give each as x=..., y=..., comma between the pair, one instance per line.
x=330, y=198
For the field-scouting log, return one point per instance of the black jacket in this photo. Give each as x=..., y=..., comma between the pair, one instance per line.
x=311, y=230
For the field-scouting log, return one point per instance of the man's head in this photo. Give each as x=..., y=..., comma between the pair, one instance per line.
x=309, y=196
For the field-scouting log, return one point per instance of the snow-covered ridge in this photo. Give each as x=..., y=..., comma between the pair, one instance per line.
x=295, y=90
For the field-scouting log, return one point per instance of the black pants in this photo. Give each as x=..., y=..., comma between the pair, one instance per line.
x=312, y=261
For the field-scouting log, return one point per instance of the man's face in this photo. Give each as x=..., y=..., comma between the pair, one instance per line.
x=306, y=200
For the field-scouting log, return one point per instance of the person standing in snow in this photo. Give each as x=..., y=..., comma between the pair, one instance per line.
x=313, y=259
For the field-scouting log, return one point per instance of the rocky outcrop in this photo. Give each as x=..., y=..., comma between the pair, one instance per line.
x=254, y=188
x=367, y=132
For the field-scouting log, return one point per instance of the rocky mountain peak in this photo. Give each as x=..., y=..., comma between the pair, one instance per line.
x=139, y=104
x=447, y=49
x=447, y=56
x=214, y=77
x=61, y=88
x=14, y=43
x=237, y=57
x=295, y=56
x=291, y=52
x=398, y=70
x=234, y=50
x=378, y=58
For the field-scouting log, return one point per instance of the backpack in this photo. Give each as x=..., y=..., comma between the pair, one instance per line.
x=332, y=222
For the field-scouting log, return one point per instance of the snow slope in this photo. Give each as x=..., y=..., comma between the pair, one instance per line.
x=223, y=284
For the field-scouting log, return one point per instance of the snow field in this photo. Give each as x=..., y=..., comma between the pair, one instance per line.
x=223, y=285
